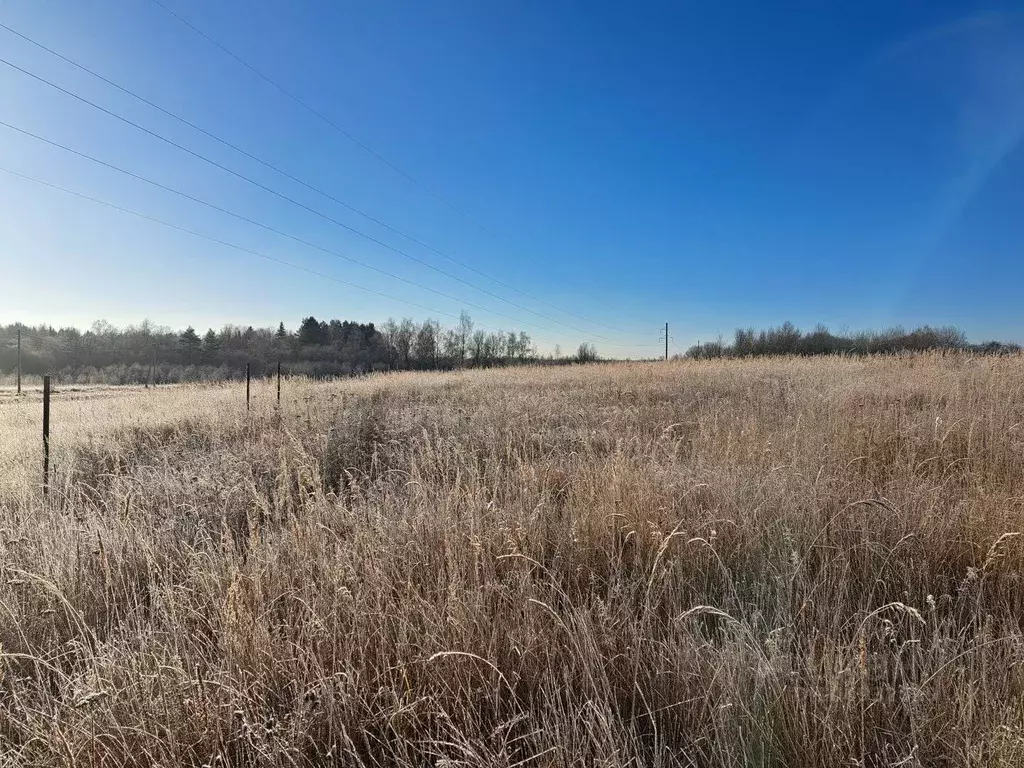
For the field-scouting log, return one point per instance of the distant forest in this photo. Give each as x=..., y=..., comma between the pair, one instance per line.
x=789, y=340
x=146, y=352
x=105, y=354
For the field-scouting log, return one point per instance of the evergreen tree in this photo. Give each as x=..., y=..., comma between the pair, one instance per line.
x=312, y=332
x=190, y=341
x=211, y=346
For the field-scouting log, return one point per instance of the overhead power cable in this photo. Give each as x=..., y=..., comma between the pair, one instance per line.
x=321, y=116
x=327, y=121
x=266, y=227
x=297, y=180
x=310, y=209
x=235, y=246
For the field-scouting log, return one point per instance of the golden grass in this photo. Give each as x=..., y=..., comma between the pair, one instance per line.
x=764, y=563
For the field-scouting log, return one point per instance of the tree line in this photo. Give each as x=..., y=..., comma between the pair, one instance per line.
x=789, y=340
x=147, y=352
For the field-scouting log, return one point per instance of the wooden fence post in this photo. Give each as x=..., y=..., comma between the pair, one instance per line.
x=248, y=379
x=279, y=385
x=46, y=435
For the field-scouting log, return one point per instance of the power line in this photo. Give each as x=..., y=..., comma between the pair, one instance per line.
x=322, y=117
x=235, y=246
x=218, y=241
x=297, y=180
x=308, y=208
x=266, y=227
x=319, y=115
x=346, y=134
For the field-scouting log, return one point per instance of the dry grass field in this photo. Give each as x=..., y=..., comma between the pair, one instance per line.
x=787, y=562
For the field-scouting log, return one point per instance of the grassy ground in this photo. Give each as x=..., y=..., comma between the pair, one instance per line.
x=766, y=563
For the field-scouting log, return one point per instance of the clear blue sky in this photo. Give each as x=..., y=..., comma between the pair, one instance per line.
x=709, y=164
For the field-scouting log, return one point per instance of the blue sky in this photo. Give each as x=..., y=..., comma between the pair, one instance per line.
x=707, y=164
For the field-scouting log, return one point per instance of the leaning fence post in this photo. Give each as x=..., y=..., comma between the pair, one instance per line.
x=46, y=435
x=247, y=380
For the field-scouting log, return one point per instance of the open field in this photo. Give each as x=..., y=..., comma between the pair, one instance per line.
x=784, y=562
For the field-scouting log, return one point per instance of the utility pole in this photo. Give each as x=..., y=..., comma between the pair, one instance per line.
x=19, y=358
x=666, y=342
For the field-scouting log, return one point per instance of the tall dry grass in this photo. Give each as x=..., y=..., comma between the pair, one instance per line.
x=771, y=563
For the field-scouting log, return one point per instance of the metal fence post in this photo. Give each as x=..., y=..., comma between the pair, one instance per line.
x=46, y=435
